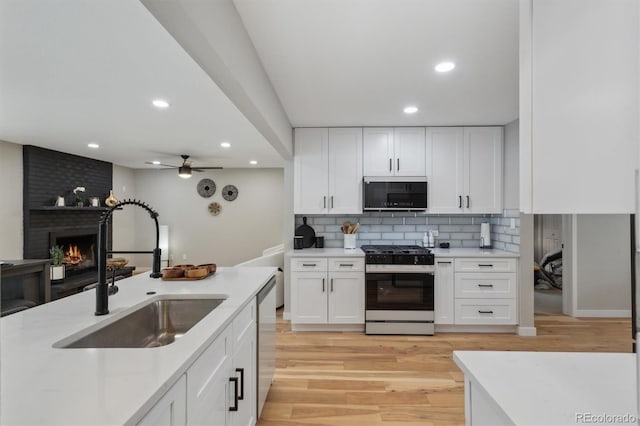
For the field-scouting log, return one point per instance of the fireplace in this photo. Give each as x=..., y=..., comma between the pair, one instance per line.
x=79, y=247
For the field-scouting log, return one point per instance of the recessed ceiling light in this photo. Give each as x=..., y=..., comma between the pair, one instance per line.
x=445, y=66
x=160, y=103
x=93, y=145
x=155, y=162
x=225, y=144
x=253, y=162
x=410, y=109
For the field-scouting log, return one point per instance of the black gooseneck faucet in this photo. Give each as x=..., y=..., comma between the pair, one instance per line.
x=103, y=291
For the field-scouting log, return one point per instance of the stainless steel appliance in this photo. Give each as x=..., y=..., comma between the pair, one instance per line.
x=266, y=315
x=398, y=194
x=399, y=282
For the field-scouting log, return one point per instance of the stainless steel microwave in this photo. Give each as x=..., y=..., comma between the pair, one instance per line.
x=399, y=194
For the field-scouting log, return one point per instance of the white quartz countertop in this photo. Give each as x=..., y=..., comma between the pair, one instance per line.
x=326, y=252
x=438, y=252
x=554, y=388
x=472, y=252
x=45, y=385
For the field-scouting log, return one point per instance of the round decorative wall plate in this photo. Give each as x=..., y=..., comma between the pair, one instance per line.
x=215, y=208
x=229, y=192
x=206, y=188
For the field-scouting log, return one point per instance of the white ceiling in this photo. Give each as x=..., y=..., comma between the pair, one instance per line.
x=77, y=71
x=359, y=62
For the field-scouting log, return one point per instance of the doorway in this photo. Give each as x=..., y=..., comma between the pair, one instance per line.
x=547, y=251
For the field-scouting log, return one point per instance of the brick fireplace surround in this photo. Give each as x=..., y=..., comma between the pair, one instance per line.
x=47, y=175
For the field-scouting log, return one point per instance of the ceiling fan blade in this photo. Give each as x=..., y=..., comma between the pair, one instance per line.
x=164, y=165
x=199, y=169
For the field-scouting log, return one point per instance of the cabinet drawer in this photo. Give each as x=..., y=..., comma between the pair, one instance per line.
x=486, y=285
x=346, y=264
x=486, y=265
x=309, y=264
x=485, y=311
x=243, y=321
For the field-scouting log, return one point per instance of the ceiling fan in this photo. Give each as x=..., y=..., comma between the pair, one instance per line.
x=184, y=171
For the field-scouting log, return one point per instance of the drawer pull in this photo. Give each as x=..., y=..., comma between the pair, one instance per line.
x=309, y=264
x=323, y=285
x=241, y=371
x=324, y=201
x=485, y=312
x=234, y=380
x=444, y=263
x=347, y=264
x=485, y=285
x=485, y=265
x=331, y=285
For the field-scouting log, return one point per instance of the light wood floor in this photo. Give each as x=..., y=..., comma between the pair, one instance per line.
x=350, y=379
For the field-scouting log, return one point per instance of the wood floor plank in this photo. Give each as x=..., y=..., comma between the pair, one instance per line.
x=351, y=379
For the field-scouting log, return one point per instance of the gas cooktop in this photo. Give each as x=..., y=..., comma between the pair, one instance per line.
x=397, y=255
x=395, y=250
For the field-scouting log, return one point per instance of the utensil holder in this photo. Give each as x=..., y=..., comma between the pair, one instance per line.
x=349, y=241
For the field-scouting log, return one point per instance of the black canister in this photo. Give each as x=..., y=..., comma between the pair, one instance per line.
x=298, y=242
x=319, y=242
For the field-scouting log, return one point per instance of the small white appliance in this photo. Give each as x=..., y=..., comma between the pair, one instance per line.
x=485, y=235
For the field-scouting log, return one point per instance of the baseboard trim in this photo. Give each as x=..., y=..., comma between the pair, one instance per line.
x=327, y=327
x=527, y=331
x=602, y=313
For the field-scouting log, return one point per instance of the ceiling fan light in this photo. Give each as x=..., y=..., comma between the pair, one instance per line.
x=184, y=172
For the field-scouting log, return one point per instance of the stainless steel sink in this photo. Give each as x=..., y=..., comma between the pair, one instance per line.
x=159, y=323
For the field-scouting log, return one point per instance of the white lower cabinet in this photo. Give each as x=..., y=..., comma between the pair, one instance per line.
x=171, y=409
x=327, y=291
x=209, y=385
x=244, y=368
x=220, y=387
x=443, y=291
x=485, y=291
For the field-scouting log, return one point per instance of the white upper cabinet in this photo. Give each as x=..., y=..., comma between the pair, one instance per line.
x=464, y=169
x=579, y=115
x=483, y=166
x=394, y=152
x=328, y=171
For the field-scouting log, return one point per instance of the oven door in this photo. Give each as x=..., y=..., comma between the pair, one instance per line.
x=399, y=291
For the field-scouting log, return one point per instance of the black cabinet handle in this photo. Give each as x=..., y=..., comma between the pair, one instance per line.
x=390, y=164
x=323, y=285
x=308, y=264
x=467, y=201
x=485, y=285
x=347, y=264
x=234, y=380
x=324, y=200
x=332, y=201
x=331, y=285
x=459, y=201
x=241, y=371
x=444, y=263
x=485, y=265
x=485, y=312
x=398, y=166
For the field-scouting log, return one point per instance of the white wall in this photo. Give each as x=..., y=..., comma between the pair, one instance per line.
x=124, y=222
x=11, y=238
x=596, y=260
x=246, y=226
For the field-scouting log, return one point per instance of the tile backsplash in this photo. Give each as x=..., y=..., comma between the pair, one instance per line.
x=409, y=228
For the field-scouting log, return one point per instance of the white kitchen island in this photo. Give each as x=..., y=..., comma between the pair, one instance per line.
x=41, y=384
x=548, y=388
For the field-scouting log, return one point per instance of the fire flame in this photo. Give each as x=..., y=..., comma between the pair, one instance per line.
x=73, y=255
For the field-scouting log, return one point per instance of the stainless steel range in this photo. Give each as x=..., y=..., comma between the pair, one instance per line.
x=399, y=290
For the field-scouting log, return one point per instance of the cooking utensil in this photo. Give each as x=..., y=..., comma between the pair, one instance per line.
x=307, y=233
x=345, y=227
x=355, y=228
